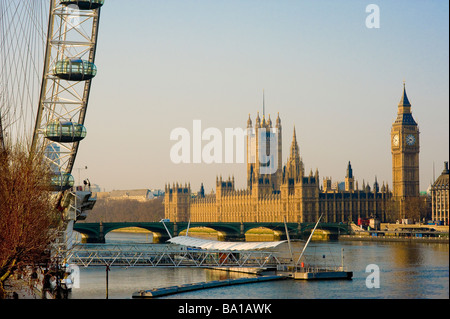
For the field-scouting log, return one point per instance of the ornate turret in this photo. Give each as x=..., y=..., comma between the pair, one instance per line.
x=376, y=187
x=269, y=122
x=294, y=166
x=349, y=179
x=294, y=146
x=258, y=121
x=349, y=170
x=278, y=121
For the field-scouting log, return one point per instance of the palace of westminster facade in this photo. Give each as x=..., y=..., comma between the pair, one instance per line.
x=286, y=192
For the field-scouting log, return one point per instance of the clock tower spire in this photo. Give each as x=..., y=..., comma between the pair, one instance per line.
x=405, y=153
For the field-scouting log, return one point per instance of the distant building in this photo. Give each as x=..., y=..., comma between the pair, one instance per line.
x=331, y=187
x=440, y=197
x=157, y=192
x=141, y=195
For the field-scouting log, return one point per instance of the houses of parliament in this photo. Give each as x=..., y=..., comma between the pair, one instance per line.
x=287, y=192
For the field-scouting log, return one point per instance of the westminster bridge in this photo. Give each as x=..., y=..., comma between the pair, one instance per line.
x=96, y=232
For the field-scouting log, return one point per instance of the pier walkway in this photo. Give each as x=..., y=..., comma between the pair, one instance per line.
x=166, y=255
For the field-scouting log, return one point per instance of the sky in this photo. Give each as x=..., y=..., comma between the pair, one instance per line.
x=163, y=64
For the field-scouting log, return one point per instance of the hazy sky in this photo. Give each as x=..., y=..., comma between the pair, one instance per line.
x=162, y=64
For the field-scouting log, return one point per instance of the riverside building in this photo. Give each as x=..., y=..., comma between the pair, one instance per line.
x=440, y=197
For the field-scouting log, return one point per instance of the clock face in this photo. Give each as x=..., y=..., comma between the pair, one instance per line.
x=410, y=140
x=395, y=140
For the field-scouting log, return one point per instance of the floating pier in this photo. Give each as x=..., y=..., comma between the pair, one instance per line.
x=160, y=292
x=321, y=275
x=315, y=273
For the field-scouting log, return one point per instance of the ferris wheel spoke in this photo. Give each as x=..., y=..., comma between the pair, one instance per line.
x=21, y=50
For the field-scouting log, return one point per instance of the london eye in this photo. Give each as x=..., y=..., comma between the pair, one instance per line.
x=47, y=56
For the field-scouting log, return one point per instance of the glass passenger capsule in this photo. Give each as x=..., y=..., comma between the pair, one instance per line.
x=75, y=69
x=61, y=182
x=64, y=132
x=84, y=4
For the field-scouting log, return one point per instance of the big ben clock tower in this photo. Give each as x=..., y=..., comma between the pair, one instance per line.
x=405, y=153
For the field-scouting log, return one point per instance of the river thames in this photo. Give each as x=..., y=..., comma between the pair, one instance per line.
x=406, y=271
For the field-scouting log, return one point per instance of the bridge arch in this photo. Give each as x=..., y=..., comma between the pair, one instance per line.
x=278, y=228
x=87, y=236
x=229, y=231
x=134, y=234
x=90, y=232
x=158, y=230
x=96, y=232
x=264, y=234
x=335, y=227
x=204, y=232
x=331, y=230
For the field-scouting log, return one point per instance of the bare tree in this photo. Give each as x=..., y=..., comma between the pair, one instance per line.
x=416, y=208
x=28, y=218
x=127, y=210
x=392, y=211
x=2, y=143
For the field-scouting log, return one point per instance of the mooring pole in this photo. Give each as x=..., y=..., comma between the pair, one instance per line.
x=107, y=270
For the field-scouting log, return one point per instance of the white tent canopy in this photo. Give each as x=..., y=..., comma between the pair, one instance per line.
x=222, y=245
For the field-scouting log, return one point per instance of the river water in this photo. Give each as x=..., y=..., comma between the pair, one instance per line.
x=406, y=271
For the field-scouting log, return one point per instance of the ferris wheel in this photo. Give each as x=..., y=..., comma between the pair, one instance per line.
x=47, y=52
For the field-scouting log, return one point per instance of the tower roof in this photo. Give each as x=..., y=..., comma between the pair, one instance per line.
x=404, y=100
x=443, y=180
x=404, y=116
x=349, y=170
